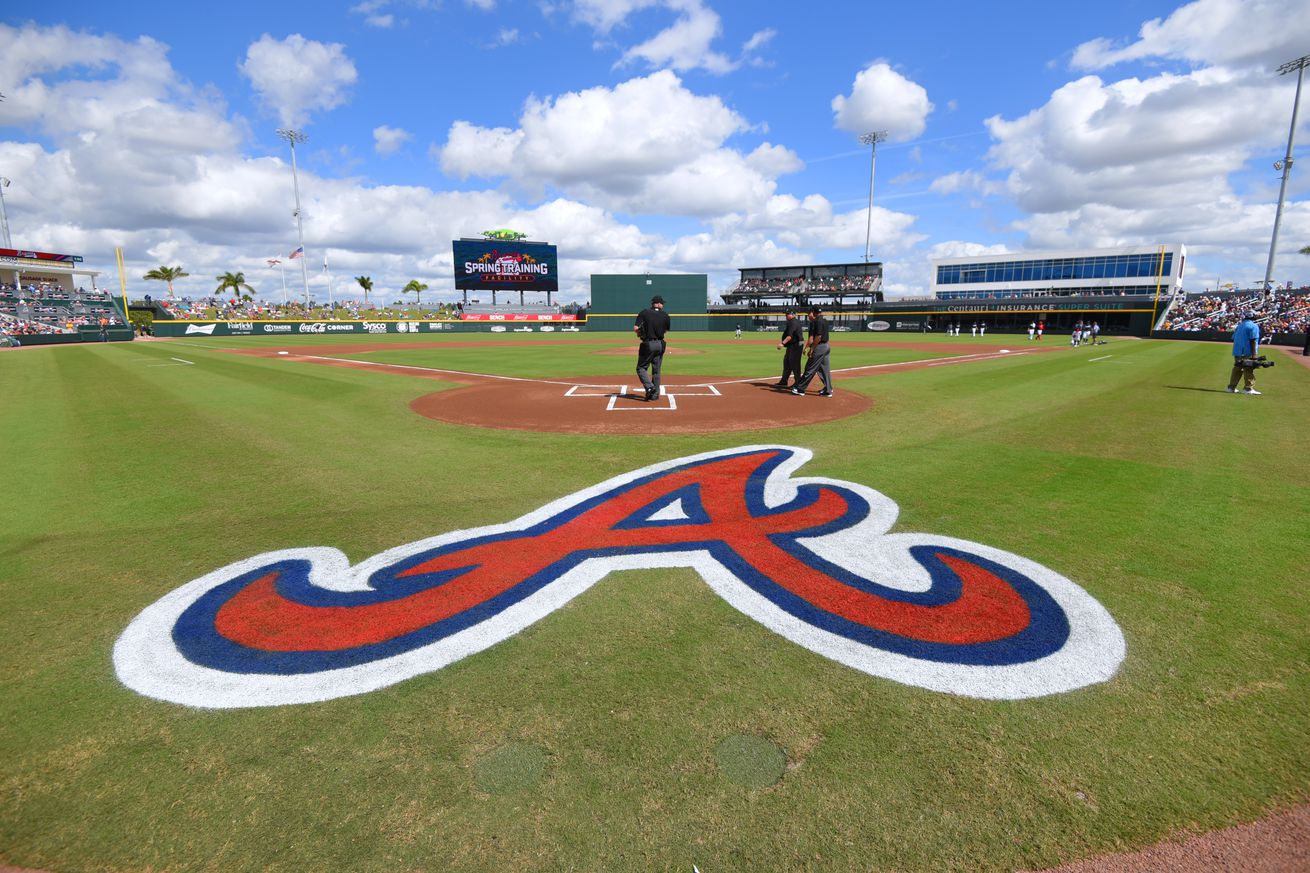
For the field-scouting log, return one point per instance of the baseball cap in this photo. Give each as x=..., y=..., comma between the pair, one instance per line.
x=815, y=310
x=656, y=299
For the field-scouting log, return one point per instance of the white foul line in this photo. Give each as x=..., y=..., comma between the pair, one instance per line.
x=1101, y=358
x=954, y=359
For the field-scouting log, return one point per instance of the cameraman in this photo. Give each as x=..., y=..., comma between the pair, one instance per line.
x=1246, y=345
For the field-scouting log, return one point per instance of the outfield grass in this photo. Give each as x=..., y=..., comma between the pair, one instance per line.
x=594, y=739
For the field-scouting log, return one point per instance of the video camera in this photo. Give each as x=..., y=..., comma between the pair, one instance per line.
x=1250, y=362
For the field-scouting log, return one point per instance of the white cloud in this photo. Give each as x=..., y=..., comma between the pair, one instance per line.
x=507, y=36
x=161, y=167
x=1143, y=161
x=965, y=180
x=605, y=15
x=774, y=160
x=883, y=99
x=961, y=249
x=759, y=40
x=380, y=21
x=646, y=145
x=478, y=151
x=296, y=76
x=1135, y=143
x=484, y=5
x=387, y=140
x=685, y=44
x=1225, y=32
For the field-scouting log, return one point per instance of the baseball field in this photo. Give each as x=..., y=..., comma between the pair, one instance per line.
x=467, y=603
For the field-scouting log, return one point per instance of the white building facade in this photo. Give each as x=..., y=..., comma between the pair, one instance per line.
x=1148, y=270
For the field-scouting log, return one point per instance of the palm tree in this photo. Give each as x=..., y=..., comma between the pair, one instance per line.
x=416, y=288
x=365, y=282
x=166, y=274
x=1305, y=250
x=235, y=281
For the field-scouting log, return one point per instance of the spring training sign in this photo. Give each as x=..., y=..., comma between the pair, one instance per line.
x=505, y=265
x=808, y=558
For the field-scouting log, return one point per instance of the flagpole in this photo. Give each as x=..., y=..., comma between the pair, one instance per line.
x=281, y=269
x=331, y=304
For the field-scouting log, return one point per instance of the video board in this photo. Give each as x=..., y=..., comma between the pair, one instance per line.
x=485, y=265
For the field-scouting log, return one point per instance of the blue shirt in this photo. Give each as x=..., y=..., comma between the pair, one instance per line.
x=1246, y=338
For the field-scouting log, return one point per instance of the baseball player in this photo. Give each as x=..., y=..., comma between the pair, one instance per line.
x=817, y=345
x=652, y=324
x=791, y=342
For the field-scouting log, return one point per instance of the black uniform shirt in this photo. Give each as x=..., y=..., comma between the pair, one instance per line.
x=654, y=323
x=793, y=329
x=819, y=328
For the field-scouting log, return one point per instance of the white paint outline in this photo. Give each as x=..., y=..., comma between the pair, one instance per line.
x=147, y=661
x=928, y=362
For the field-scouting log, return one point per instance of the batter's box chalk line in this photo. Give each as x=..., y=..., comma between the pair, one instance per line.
x=617, y=392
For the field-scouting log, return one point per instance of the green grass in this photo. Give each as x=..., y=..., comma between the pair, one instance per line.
x=594, y=740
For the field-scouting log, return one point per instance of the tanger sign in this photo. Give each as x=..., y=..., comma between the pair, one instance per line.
x=809, y=558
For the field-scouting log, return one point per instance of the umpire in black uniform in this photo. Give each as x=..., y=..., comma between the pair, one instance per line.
x=818, y=363
x=652, y=324
x=791, y=342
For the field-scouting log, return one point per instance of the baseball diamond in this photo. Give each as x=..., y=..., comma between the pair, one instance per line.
x=505, y=576
x=629, y=436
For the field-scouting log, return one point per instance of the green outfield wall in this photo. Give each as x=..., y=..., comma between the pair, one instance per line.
x=616, y=299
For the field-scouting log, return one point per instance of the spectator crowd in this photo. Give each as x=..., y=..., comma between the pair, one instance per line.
x=1275, y=311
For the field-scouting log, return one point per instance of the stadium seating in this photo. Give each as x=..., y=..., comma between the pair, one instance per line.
x=1274, y=312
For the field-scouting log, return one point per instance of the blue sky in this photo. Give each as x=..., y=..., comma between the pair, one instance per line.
x=662, y=135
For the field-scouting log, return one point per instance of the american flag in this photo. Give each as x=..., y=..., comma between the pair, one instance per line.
x=298, y=253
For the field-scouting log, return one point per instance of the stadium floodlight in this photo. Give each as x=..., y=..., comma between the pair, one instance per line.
x=293, y=136
x=871, y=139
x=4, y=215
x=1286, y=164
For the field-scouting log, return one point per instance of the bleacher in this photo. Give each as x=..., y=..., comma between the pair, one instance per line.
x=1276, y=312
x=772, y=292
x=38, y=309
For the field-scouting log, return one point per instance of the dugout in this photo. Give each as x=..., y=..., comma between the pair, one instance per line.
x=616, y=299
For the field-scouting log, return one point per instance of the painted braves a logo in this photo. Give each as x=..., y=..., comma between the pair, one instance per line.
x=809, y=558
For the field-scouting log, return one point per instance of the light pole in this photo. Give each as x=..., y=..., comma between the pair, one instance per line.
x=4, y=215
x=871, y=140
x=293, y=136
x=1286, y=163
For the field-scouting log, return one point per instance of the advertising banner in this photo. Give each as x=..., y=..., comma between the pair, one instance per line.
x=518, y=316
x=338, y=328
x=483, y=265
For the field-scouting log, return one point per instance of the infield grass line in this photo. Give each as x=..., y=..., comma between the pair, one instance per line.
x=928, y=362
